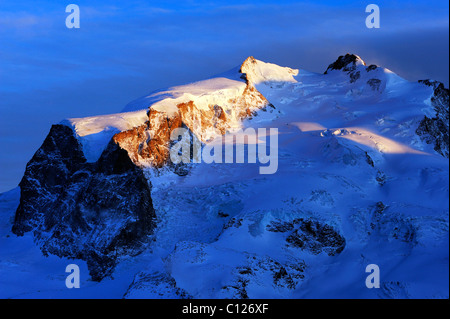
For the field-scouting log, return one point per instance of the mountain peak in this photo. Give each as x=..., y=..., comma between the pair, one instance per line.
x=247, y=64
x=346, y=62
x=256, y=72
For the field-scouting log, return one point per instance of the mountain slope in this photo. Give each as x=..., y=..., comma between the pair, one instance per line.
x=362, y=177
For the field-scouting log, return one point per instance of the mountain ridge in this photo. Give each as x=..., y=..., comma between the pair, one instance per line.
x=353, y=142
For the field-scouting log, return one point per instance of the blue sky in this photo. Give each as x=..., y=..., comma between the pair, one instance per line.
x=125, y=49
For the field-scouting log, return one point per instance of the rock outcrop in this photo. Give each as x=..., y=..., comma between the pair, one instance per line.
x=97, y=212
x=149, y=144
x=435, y=130
x=310, y=235
x=357, y=70
x=346, y=63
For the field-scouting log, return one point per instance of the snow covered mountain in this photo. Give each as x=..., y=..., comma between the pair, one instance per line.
x=362, y=178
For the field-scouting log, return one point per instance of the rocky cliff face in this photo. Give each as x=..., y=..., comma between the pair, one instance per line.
x=358, y=71
x=92, y=211
x=310, y=235
x=148, y=144
x=346, y=63
x=436, y=130
x=100, y=211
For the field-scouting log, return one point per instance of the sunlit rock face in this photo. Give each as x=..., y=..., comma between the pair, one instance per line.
x=148, y=145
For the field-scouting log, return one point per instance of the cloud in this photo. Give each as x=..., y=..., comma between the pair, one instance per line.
x=124, y=50
x=19, y=21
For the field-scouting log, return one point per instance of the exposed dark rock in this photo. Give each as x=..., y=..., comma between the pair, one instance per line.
x=348, y=63
x=222, y=214
x=59, y=157
x=377, y=214
x=369, y=160
x=381, y=178
x=431, y=83
x=354, y=76
x=394, y=290
x=279, y=226
x=93, y=211
x=233, y=222
x=375, y=84
x=281, y=277
x=155, y=286
x=344, y=62
x=246, y=270
x=371, y=67
x=284, y=276
x=237, y=290
x=389, y=225
x=436, y=130
x=310, y=235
